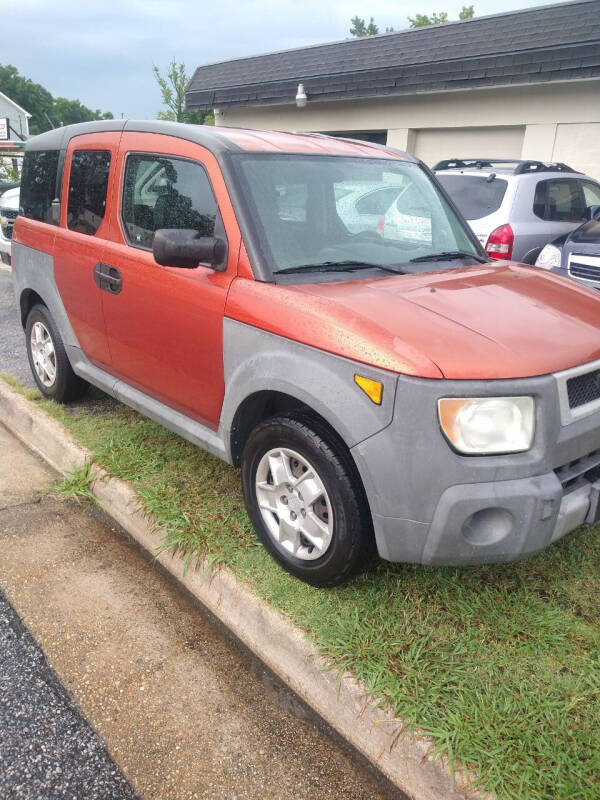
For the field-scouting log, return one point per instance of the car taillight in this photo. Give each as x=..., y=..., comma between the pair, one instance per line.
x=500, y=243
x=381, y=225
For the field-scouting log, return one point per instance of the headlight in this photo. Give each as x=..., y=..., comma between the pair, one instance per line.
x=549, y=258
x=482, y=425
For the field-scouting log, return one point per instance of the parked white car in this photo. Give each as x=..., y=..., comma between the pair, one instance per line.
x=9, y=209
x=394, y=212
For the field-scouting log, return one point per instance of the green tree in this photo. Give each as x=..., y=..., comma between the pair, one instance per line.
x=66, y=112
x=360, y=28
x=172, y=88
x=423, y=20
x=29, y=95
x=46, y=111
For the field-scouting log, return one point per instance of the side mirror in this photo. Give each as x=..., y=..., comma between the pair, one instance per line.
x=592, y=212
x=186, y=249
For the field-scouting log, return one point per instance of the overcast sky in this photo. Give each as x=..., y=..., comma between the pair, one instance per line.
x=102, y=51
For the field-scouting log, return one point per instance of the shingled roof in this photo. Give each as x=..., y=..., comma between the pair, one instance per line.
x=548, y=43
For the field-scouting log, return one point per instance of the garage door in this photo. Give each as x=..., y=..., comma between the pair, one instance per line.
x=434, y=144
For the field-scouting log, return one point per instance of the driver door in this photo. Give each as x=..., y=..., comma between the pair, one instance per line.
x=165, y=325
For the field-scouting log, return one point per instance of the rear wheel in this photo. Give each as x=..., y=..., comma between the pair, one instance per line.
x=305, y=500
x=48, y=358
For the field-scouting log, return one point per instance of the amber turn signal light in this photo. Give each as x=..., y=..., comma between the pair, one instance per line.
x=373, y=389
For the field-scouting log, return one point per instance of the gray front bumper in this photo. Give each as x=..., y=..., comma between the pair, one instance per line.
x=433, y=506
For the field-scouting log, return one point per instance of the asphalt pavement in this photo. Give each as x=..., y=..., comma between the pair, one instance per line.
x=13, y=356
x=47, y=748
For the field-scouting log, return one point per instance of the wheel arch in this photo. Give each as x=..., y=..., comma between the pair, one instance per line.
x=27, y=300
x=261, y=405
x=265, y=403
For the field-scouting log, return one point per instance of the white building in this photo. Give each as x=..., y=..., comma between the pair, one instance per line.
x=14, y=130
x=522, y=84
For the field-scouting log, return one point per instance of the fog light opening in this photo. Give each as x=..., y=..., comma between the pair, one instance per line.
x=488, y=526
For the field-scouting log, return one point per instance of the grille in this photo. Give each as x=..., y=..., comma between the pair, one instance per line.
x=583, y=388
x=586, y=268
x=575, y=473
x=10, y=214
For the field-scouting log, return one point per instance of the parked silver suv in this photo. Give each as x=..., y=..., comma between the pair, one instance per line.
x=517, y=207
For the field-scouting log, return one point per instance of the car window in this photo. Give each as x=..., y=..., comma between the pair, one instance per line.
x=161, y=192
x=412, y=218
x=292, y=201
x=591, y=194
x=38, y=185
x=88, y=184
x=559, y=200
x=476, y=196
x=377, y=202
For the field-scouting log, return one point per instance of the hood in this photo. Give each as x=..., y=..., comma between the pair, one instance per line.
x=483, y=322
x=588, y=233
x=10, y=199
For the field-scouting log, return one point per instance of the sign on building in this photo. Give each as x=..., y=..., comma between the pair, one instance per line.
x=4, y=129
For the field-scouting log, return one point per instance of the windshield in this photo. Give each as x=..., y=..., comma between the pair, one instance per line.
x=316, y=210
x=475, y=196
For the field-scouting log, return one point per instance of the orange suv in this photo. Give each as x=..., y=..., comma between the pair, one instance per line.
x=380, y=385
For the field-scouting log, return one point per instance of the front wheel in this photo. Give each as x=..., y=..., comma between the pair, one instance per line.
x=305, y=500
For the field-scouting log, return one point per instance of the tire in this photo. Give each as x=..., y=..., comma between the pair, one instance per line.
x=48, y=359
x=337, y=519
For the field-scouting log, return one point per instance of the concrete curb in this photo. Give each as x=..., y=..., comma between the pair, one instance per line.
x=340, y=701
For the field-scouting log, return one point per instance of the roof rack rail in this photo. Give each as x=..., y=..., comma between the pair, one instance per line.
x=521, y=166
x=540, y=166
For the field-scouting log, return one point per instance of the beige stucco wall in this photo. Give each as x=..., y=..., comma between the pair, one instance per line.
x=560, y=121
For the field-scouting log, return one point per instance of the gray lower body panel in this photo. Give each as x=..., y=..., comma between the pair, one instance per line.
x=431, y=505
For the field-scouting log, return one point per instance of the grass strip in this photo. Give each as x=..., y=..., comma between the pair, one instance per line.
x=499, y=665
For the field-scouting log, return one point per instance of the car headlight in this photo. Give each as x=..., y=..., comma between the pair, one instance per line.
x=549, y=258
x=483, y=425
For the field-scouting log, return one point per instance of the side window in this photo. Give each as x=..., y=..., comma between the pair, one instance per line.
x=88, y=184
x=559, y=200
x=161, y=192
x=591, y=194
x=38, y=185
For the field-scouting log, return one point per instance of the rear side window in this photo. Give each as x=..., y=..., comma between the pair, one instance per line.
x=161, y=192
x=38, y=185
x=559, y=200
x=88, y=184
x=475, y=196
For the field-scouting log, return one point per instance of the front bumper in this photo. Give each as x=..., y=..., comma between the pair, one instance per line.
x=433, y=506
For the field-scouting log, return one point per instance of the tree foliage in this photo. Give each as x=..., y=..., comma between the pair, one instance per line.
x=423, y=20
x=46, y=111
x=172, y=88
x=360, y=27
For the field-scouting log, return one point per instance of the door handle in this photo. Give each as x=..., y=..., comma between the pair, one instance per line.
x=108, y=278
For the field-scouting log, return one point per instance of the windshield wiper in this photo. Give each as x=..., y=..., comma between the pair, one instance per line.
x=447, y=255
x=337, y=266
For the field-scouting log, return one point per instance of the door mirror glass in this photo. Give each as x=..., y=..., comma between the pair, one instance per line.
x=186, y=248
